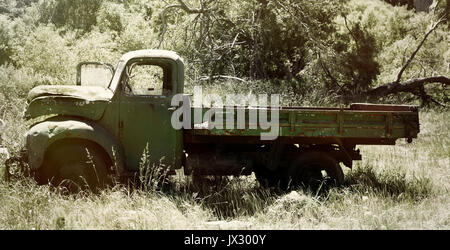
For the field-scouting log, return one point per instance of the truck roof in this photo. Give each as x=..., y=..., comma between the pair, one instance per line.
x=154, y=53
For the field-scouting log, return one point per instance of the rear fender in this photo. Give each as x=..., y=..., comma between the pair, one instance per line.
x=44, y=134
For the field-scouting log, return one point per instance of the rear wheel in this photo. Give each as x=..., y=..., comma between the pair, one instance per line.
x=76, y=164
x=312, y=169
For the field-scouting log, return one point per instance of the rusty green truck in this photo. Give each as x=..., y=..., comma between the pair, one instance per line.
x=82, y=131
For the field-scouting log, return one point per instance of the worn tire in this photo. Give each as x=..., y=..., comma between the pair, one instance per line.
x=67, y=163
x=307, y=171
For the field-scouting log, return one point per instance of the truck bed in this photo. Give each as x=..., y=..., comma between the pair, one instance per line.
x=360, y=123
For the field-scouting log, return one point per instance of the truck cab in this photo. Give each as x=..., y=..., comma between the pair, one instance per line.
x=118, y=121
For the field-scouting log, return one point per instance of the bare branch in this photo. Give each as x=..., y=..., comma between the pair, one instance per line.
x=164, y=22
x=411, y=86
x=191, y=10
x=327, y=71
x=350, y=31
x=400, y=73
x=207, y=78
x=415, y=86
x=182, y=6
x=436, y=7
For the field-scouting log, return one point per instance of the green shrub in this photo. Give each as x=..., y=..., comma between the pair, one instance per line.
x=15, y=83
x=73, y=14
x=5, y=40
x=48, y=53
x=110, y=17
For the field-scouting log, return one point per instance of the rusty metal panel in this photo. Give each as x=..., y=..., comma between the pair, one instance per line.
x=341, y=123
x=382, y=107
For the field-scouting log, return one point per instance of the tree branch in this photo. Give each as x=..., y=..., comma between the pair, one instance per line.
x=191, y=10
x=411, y=86
x=207, y=78
x=400, y=73
x=350, y=31
x=328, y=73
x=415, y=86
x=182, y=6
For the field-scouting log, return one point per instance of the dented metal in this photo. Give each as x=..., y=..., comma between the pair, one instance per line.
x=85, y=101
x=88, y=93
x=42, y=135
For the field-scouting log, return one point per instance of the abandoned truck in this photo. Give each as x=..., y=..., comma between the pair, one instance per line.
x=100, y=128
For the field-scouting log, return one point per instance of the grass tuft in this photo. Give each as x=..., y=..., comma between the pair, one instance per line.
x=393, y=184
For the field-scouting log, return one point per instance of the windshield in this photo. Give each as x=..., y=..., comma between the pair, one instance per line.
x=94, y=74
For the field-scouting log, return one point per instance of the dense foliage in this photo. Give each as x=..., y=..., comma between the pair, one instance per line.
x=337, y=49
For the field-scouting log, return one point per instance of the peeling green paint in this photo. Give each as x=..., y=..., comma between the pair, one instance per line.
x=42, y=135
x=87, y=93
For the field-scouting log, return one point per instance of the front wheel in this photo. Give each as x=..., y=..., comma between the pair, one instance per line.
x=75, y=164
x=312, y=169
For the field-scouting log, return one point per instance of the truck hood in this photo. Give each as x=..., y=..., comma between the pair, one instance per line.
x=84, y=101
x=91, y=93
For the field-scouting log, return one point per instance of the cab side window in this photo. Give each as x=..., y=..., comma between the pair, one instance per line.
x=145, y=79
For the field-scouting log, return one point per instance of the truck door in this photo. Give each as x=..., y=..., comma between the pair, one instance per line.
x=147, y=86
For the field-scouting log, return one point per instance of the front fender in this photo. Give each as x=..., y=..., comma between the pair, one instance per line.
x=44, y=134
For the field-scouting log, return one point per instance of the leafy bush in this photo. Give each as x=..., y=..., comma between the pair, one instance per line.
x=371, y=45
x=110, y=17
x=354, y=61
x=15, y=83
x=15, y=8
x=5, y=41
x=258, y=39
x=74, y=14
x=48, y=53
